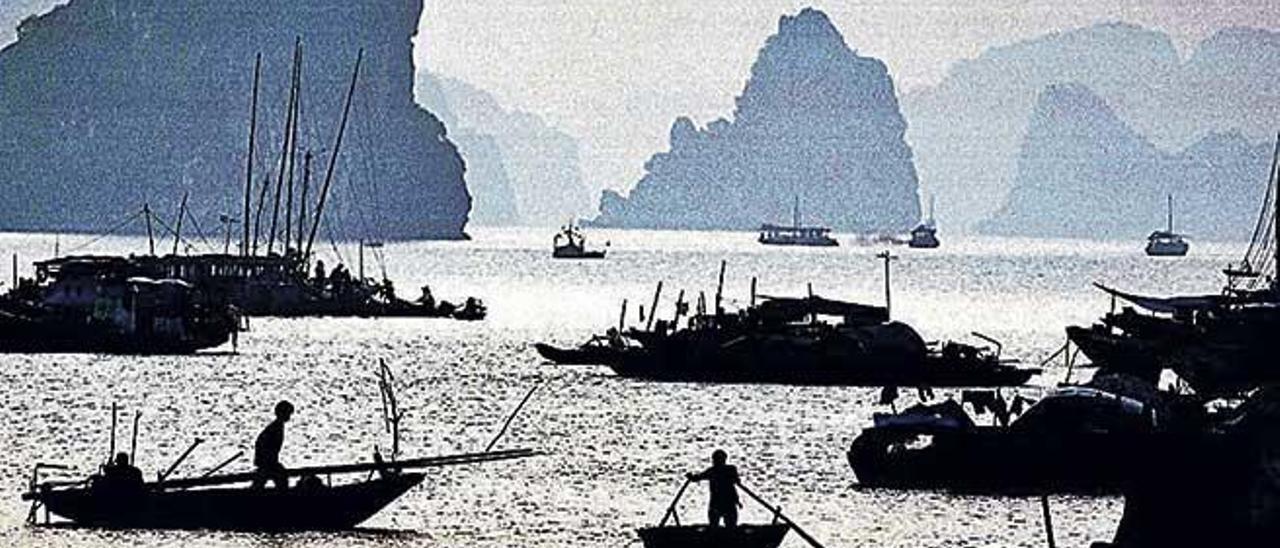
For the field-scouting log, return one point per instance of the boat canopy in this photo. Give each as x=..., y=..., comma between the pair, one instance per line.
x=1167, y=305
x=792, y=309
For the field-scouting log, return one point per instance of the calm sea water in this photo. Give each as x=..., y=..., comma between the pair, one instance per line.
x=617, y=449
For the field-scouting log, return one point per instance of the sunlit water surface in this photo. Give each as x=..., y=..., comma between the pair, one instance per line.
x=616, y=448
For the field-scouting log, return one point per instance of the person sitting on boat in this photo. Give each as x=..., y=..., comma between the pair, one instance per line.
x=121, y=476
x=319, y=273
x=266, y=450
x=723, y=481
x=427, y=300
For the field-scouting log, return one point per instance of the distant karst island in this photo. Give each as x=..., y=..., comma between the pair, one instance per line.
x=816, y=123
x=1198, y=126
x=109, y=104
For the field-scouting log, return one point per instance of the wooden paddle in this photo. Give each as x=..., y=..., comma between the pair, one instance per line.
x=777, y=511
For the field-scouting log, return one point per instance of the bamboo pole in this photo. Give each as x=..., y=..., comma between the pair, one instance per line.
x=511, y=417
x=720, y=287
x=333, y=156
x=653, y=309
x=671, y=509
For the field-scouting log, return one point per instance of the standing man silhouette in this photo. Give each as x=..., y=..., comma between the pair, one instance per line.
x=266, y=450
x=723, y=481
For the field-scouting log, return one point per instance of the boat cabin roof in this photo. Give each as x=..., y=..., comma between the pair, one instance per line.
x=795, y=230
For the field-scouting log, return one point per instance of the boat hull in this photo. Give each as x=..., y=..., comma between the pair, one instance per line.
x=233, y=509
x=702, y=536
x=568, y=254
x=585, y=355
x=994, y=460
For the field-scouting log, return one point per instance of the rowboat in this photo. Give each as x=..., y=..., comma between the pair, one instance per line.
x=702, y=536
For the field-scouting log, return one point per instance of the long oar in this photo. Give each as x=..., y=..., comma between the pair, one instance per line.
x=777, y=511
x=671, y=510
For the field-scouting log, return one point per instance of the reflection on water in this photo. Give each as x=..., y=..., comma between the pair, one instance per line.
x=618, y=448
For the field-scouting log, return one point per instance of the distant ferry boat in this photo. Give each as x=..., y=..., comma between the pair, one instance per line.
x=925, y=236
x=1166, y=243
x=796, y=234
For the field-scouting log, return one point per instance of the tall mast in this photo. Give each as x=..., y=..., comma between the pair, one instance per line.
x=284, y=149
x=1275, y=213
x=302, y=203
x=248, y=176
x=257, y=218
x=795, y=211
x=1170, y=213
x=293, y=147
x=177, y=233
x=333, y=156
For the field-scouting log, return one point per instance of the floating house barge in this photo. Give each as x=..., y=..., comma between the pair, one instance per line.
x=105, y=304
x=270, y=285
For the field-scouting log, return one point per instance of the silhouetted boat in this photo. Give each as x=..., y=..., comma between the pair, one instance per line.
x=783, y=341
x=320, y=508
x=100, y=305
x=797, y=233
x=702, y=536
x=1073, y=440
x=1166, y=243
x=569, y=243
x=925, y=235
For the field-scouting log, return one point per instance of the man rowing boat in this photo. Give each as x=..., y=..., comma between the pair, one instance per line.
x=723, y=481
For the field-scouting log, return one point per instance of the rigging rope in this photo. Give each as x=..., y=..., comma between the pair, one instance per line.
x=110, y=232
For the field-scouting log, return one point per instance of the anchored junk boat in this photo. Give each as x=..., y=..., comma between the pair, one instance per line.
x=1167, y=243
x=790, y=341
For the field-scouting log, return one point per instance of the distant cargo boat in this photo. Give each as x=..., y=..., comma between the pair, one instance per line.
x=1166, y=243
x=796, y=234
x=925, y=236
x=571, y=244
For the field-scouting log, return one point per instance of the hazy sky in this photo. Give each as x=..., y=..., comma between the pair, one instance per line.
x=615, y=73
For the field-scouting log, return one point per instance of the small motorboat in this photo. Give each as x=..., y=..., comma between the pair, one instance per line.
x=797, y=233
x=571, y=244
x=925, y=235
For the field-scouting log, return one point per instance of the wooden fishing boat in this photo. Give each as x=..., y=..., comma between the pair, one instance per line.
x=570, y=243
x=228, y=503
x=702, y=536
x=317, y=508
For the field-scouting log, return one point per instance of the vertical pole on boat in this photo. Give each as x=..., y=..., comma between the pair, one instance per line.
x=302, y=202
x=679, y=309
x=111, y=449
x=151, y=238
x=1170, y=198
x=285, y=146
x=177, y=232
x=720, y=287
x=253, y=131
x=293, y=147
x=653, y=309
x=360, y=269
x=622, y=316
x=333, y=155
x=813, y=316
x=1048, y=519
x=15, y=270
x=888, y=294
x=753, y=291
x=133, y=444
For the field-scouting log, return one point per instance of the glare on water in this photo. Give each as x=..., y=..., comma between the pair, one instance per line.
x=617, y=448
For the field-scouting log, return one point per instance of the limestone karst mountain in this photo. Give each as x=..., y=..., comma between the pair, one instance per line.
x=967, y=130
x=107, y=104
x=815, y=121
x=1083, y=172
x=521, y=169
